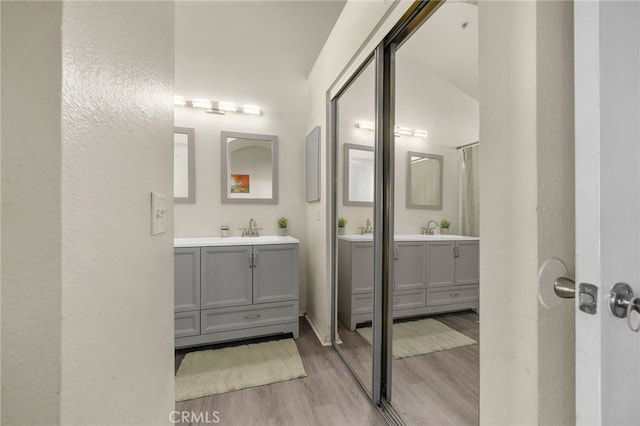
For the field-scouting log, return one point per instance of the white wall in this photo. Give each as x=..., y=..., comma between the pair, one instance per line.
x=117, y=279
x=31, y=212
x=526, y=159
x=87, y=291
x=281, y=92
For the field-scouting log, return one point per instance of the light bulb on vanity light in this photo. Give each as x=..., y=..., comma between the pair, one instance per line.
x=179, y=100
x=201, y=103
x=366, y=125
x=227, y=107
x=251, y=110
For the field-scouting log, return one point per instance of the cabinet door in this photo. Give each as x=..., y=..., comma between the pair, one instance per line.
x=468, y=262
x=409, y=265
x=226, y=276
x=361, y=268
x=186, y=279
x=275, y=273
x=440, y=263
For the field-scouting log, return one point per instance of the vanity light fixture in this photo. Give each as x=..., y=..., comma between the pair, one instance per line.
x=216, y=107
x=399, y=131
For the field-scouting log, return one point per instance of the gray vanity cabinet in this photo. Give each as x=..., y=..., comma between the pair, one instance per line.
x=235, y=292
x=429, y=277
x=226, y=276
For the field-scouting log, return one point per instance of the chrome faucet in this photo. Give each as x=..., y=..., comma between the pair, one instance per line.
x=368, y=229
x=429, y=230
x=252, y=231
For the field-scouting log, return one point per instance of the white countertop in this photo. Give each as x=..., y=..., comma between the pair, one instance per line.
x=411, y=237
x=232, y=241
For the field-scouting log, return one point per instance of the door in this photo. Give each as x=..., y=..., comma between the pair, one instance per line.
x=607, y=108
x=226, y=276
x=275, y=273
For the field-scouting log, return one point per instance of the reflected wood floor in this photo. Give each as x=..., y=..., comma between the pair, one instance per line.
x=440, y=388
x=329, y=395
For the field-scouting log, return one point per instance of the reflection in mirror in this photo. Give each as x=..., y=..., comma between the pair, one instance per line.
x=424, y=181
x=249, y=168
x=184, y=174
x=358, y=175
x=355, y=254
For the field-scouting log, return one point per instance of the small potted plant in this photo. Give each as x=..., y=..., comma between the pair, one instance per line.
x=342, y=222
x=444, y=226
x=282, y=225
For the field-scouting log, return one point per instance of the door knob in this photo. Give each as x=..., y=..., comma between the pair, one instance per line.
x=565, y=288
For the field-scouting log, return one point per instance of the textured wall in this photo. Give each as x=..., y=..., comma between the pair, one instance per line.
x=556, y=209
x=31, y=218
x=117, y=147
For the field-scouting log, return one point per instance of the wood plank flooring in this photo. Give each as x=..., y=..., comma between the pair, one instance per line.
x=440, y=388
x=329, y=395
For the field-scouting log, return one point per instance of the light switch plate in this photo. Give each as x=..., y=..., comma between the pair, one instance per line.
x=158, y=213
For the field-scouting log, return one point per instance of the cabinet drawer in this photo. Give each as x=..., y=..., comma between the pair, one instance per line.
x=452, y=295
x=236, y=318
x=361, y=303
x=406, y=299
x=186, y=324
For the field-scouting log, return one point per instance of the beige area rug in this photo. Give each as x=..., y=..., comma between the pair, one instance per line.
x=412, y=338
x=211, y=372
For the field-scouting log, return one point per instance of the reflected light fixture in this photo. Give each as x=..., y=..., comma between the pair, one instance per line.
x=398, y=131
x=216, y=107
x=366, y=125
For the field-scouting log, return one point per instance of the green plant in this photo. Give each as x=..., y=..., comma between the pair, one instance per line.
x=342, y=222
x=444, y=224
x=282, y=222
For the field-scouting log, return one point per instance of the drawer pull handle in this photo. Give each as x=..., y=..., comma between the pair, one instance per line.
x=454, y=294
x=252, y=316
x=396, y=300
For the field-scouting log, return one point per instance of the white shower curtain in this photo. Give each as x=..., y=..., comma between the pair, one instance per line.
x=470, y=192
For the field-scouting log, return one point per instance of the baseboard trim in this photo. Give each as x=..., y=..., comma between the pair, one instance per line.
x=324, y=341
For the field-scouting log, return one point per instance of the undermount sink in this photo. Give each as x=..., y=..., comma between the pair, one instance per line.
x=232, y=241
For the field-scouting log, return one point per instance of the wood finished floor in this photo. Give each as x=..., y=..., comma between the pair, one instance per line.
x=440, y=388
x=327, y=396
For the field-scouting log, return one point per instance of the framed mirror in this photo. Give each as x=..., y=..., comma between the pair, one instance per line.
x=358, y=175
x=424, y=181
x=184, y=166
x=249, y=168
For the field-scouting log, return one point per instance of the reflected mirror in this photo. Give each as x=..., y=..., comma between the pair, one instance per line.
x=184, y=173
x=424, y=181
x=358, y=175
x=249, y=168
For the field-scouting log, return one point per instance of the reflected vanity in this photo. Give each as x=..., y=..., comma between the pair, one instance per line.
x=184, y=169
x=249, y=168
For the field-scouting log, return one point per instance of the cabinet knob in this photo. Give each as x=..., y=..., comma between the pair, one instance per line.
x=454, y=294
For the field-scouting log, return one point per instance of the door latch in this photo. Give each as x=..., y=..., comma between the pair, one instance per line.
x=588, y=298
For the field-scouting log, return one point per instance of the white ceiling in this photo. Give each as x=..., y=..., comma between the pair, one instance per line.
x=444, y=48
x=253, y=33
